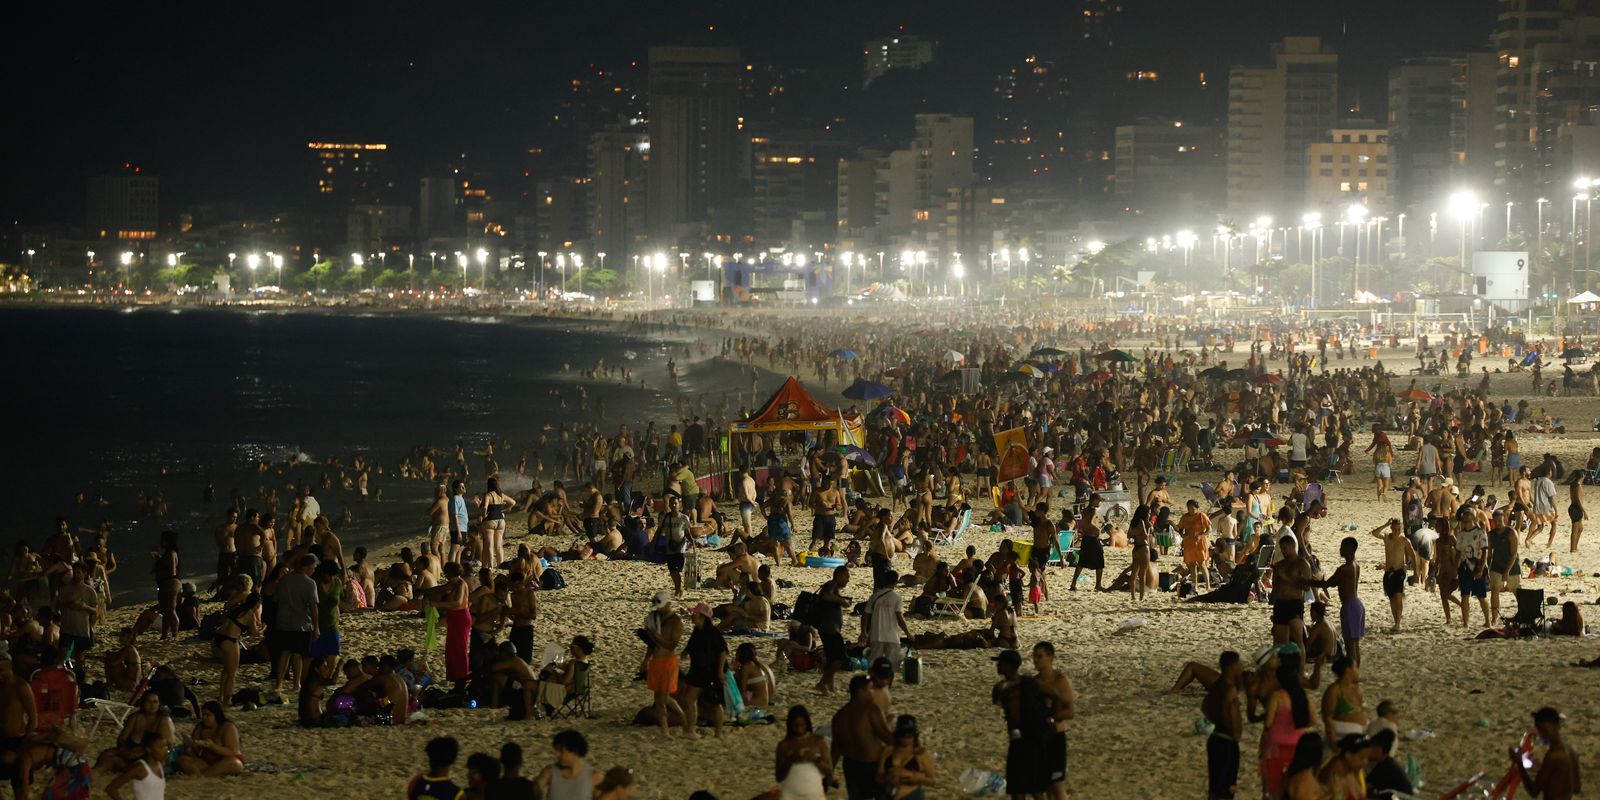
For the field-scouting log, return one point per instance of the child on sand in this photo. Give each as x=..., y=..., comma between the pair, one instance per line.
x=435, y=783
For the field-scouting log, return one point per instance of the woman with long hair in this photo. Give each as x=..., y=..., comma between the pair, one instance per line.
x=213, y=749
x=905, y=767
x=1139, y=540
x=1576, y=513
x=1299, y=778
x=165, y=571
x=802, y=759
x=241, y=617
x=1286, y=720
x=495, y=505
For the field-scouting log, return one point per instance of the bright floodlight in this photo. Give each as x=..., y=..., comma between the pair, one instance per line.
x=1186, y=238
x=906, y=256
x=1095, y=246
x=1462, y=205
x=848, y=258
x=252, y=261
x=661, y=262
x=1263, y=221
x=1022, y=253
x=1584, y=183
x=172, y=260
x=355, y=258
x=1355, y=214
x=483, y=256
x=1312, y=219
x=461, y=260
x=277, y=260
x=127, y=258
x=959, y=271
x=922, y=256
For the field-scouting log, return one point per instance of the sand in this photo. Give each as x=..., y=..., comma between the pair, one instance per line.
x=1127, y=741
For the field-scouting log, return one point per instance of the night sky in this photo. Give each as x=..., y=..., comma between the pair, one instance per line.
x=219, y=101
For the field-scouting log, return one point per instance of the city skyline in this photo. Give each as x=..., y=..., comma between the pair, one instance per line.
x=220, y=105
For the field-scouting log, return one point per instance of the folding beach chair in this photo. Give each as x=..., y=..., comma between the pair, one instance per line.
x=952, y=535
x=1209, y=492
x=99, y=710
x=1530, y=606
x=577, y=704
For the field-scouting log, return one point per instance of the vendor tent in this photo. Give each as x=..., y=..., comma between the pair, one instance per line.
x=792, y=408
x=1584, y=297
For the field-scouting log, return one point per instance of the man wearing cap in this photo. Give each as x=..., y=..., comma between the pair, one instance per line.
x=1559, y=777
x=664, y=629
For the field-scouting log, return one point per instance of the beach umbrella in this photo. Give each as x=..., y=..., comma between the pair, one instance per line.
x=1215, y=373
x=866, y=390
x=954, y=357
x=1267, y=377
x=1415, y=394
x=1101, y=377
x=1049, y=351
x=1259, y=437
x=895, y=414
x=859, y=456
x=1031, y=371
x=1115, y=355
x=846, y=354
x=1237, y=374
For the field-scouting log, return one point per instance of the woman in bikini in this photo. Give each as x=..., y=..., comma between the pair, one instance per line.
x=131, y=745
x=241, y=617
x=495, y=505
x=1343, y=713
x=905, y=767
x=213, y=749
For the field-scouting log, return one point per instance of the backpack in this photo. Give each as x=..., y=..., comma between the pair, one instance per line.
x=806, y=607
x=550, y=579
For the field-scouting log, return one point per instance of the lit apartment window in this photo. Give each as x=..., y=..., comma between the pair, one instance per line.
x=1344, y=186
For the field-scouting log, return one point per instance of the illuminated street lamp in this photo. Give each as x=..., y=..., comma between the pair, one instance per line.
x=483, y=266
x=127, y=261
x=252, y=261
x=277, y=263
x=461, y=261
x=1463, y=205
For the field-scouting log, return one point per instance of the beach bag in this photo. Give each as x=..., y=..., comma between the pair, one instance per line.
x=733, y=698
x=913, y=667
x=551, y=580
x=691, y=569
x=805, y=608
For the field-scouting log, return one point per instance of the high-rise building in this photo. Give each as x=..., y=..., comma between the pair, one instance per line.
x=795, y=182
x=1521, y=27
x=439, y=209
x=1474, y=124
x=561, y=211
x=352, y=172
x=376, y=228
x=619, y=157
x=900, y=207
x=944, y=157
x=694, y=138
x=858, y=197
x=124, y=205
x=1420, y=114
x=899, y=51
x=1168, y=168
x=1352, y=166
x=1274, y=114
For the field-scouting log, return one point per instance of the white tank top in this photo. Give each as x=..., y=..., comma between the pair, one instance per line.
x=804, y=782
x=578, y=788
x=153, y=786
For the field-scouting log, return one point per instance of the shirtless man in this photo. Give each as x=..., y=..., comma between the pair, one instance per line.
x=124, y=667
x=1441, y=504
x=223, y=536
x=1352, y=613
x=1290, y=577
x=1221, y=709
x=664, y=628
x=393, y=690
x=860, y=734
x=747, y=502
x=247, y=541
x=1398, y=553
x=1158, y=498
x=1559, y=777
x=18, y=717
x=524, y=610
x=1057, y=688
x=825, y=507
x=740, y=567
x=332, y=550
x=439, y=522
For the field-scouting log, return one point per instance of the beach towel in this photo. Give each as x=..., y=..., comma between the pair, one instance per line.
x=432, y=640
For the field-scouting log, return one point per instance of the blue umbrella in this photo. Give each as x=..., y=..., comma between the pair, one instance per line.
x=846, y=354
x=856, y=454
x=867, y=390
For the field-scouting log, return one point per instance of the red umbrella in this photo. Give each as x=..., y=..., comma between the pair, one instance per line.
x=1268, y=377
x=1415, y=394
x=1101, y=377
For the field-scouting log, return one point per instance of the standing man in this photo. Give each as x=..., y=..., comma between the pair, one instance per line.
x=1352, y=612
x=675, y=527
x=1428, y=463
x=1544, y=506
x=884, y=620
x=296, y=624
x=247, y=544
x=1028, y=727
x=80, y=608
x=439, y=522
x=224, y=540
x=460, y=523
x=1473, y=574
x=19, y=715
x=1290, y=577
x=747, y=502
x=664, y=629
x=829, y=621
x=1221, y=709
x=1504, y=565
x=860, y=734
x=1398, y=552
x=524, y=610
x=825, y=505
x=1057, y=687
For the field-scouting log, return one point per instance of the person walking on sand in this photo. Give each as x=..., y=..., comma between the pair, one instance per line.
x=1576, y=513
x=829, y=621
x=1398, y=553
x=1352, y=612
x=1028, y=727
x=1195, y=529
x=1063, y=701
x=1221, y=709
x=664, y=629
x=1382, y=451
x=1290, y=578
x=860, y=735
x=1505, y=565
